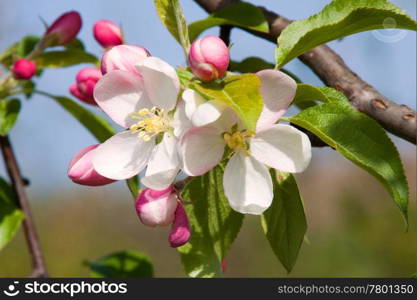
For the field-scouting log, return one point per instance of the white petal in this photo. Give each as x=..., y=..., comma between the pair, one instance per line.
x=163, y=165
x=122, y=156
x=161, y=82
x=119, y=93
x=247, y=185
x=282, y=147
x=181, y=122
x=207, y=113
x=278, y=90
x=192, y=100
x=201, y=149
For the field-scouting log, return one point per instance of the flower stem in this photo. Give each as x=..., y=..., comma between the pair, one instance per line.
x=38, y=263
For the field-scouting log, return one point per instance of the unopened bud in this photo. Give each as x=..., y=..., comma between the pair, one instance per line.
x=180, y=232
x=107, y=34
x=23, y=69
x=86, y=80
x=209, y=58
x=123, y=57
x=64, y=29
x=81, y=170
x=157, y=208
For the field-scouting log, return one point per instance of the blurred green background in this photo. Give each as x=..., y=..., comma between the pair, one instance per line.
x=355, y=230
x=354, y=227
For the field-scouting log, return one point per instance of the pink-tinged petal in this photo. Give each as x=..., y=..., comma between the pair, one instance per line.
x=282, y=147
x=157, y=207
x=181, y=122
x=181, y=231
x=247, y=185
x=201, y=149
x=119, y=94
x=216, y=114
x=161, y=82
x=81, y=170
x=163, y=165
x=123, y=57
x=192, y=100
x=122, y=156
x=278, y=90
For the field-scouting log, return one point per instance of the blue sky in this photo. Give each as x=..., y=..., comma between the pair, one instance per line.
x=46, y=137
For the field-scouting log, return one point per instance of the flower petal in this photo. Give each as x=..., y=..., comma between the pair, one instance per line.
x=247, y=185
x=122, y=156
x=181, y=122
x=282, y=147
x=119, y=93
x=278, y=90
x=201, y=149
x=161, y=82
x=192, y=100
x=163, y=165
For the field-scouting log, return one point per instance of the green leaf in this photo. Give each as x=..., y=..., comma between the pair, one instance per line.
x=338, y=19
x=27, y=44
x=185, y=76
x=11, y=216
x=307, y=94
x=9, y=111
x=240, y=92
x=214, y=225
x=93, y=123
x=133, y=185
x=75, y=45
x=361, y=140
x=284, y=223
x=171, y=15
x=123, y=264
x=60, y=59
x=241, y=14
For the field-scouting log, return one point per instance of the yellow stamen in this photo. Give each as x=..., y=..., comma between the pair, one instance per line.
x=237, y=141
x=151, y=123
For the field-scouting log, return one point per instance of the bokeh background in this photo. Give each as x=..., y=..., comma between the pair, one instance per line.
x=354, y=227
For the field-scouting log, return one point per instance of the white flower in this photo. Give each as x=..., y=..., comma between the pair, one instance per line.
x=145, y=106
x=247, y=182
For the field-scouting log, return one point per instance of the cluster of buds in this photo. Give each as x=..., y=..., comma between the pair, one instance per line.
x=85, y=81
x=163, y=208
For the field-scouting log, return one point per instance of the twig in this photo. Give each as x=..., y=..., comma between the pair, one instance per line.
x=330, y=67
x=39, y=267
x=225, y=31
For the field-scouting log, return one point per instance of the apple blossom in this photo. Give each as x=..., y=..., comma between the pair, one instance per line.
x=145, y=106
x=246, y=180
x=23, y=69
x=86, y=80
x=157, y=208
x=64, y=29
x=180, y=232
x=107, y=34
x=123, y=57
x=209, y=58
x=81, y=170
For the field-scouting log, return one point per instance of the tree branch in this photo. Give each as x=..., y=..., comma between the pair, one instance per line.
x=331, y=69
x=39, y=268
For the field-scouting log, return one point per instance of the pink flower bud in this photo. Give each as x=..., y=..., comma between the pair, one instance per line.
x=209, y=58
x=180, y=232
x=157, y=208
x=81, y=170
x=123, y=57
x=86, y=80
x=107, y=33
x=23, y=69
x=64, y=29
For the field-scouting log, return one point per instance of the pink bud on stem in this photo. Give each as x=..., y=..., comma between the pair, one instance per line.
x=81, y=170
x=86, y=80
x=123, y=57
x=64, y=29
x=209, y=58
x=23, y=69
x=157, y=208
x=180, y=232
x=107, y=34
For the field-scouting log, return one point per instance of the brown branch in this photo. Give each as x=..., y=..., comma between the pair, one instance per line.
x=39, y=268
x=225, y=31
x=331, y=69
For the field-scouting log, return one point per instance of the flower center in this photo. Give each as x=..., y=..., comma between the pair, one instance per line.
x=151, y=123
x=237, y=141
